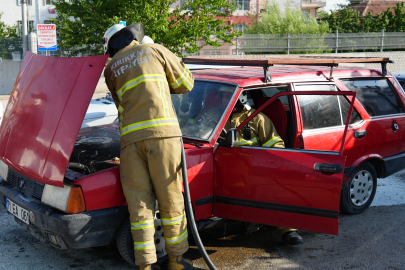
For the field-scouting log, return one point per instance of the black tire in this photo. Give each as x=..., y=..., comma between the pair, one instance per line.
x=125, y=243
x=358, y=193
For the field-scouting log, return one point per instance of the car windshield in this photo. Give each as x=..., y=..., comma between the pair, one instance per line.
x=199, y=111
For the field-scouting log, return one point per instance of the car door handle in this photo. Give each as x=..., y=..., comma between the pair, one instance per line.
x=328, y=168
x=360, y=133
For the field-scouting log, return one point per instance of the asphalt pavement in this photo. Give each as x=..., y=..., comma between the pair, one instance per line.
x=371, y=240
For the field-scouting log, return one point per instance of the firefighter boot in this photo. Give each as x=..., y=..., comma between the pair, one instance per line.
x=292, y=238
x=179, y=263
x=149, y=267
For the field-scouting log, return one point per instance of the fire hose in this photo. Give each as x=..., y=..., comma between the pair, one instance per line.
x=189, y=211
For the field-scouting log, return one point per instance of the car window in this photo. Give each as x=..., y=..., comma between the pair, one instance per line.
x=271, y=91
x=376, y=96
x=199, y=110
x=319, y=111
x=345, y=106
x=324, y=111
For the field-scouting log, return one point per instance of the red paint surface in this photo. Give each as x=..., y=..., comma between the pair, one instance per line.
x=200, y=170
x=282, y=177
x=102, y=189
x=45, y=112
x=380, y=142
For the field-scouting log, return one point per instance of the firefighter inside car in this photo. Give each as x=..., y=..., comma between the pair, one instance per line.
x=141, y=78
x=260, y=131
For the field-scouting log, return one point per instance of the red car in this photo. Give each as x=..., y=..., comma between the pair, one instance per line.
x=62, y=183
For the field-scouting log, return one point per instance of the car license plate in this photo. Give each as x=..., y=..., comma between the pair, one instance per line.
x=17, y=211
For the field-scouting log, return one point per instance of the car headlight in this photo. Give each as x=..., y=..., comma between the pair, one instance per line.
x=68, y=199
x=3, y=170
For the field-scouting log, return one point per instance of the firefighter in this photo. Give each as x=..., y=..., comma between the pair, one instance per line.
x=141, y=78
x=260, y=131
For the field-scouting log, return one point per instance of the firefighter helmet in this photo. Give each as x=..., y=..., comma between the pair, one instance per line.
x=109, y=33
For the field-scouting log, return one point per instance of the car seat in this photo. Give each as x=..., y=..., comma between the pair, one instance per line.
x=275, y=111
x=212, y=100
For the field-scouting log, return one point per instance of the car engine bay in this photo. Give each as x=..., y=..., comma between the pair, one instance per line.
x=96, y=148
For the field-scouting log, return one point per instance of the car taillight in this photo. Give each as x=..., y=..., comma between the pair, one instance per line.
x=300, y=142
x=76, y=201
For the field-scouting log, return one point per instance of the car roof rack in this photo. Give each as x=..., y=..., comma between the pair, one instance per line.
x=266, y=62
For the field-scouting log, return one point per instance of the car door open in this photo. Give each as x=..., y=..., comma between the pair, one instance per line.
x=293, y=188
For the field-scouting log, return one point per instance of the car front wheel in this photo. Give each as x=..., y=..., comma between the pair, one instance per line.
x=358, y=193
x=125, y=243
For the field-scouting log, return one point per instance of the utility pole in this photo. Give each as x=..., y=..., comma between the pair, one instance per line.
x=36, y=13
x=24, y=26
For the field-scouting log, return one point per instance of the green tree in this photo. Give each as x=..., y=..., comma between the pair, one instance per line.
x=347, y=20
x=274, y=21
x=396, y=23
x=7, y=31
x=320, y=13
x=81, y=24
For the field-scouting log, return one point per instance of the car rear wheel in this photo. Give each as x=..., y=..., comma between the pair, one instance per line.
x=125, y=243
x=358, y=193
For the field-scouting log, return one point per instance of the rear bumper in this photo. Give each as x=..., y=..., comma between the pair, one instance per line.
x=393, y=164
x=87, y=229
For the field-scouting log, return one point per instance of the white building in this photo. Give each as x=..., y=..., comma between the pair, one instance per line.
x=38, y=12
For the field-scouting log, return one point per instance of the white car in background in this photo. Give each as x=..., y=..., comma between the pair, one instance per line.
x=1, y=112
x=101, y=111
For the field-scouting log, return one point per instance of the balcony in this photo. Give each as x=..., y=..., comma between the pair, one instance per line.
x=312, y=4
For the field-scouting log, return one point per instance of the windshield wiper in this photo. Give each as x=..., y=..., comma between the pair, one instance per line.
x=194, y=143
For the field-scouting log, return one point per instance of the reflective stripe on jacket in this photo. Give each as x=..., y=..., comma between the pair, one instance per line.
x=263, y=131
x=141, y=78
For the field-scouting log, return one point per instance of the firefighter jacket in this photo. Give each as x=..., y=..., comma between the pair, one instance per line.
x=263, y=132
x=141, y=78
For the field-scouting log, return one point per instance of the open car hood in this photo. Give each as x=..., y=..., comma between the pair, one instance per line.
x=44, y=114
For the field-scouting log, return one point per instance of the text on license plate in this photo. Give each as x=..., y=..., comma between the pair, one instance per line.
x=17, y=211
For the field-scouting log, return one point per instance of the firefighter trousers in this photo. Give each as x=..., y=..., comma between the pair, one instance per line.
x=152, y=169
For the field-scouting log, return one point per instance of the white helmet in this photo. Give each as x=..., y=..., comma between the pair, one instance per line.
x=146, y=40
x=244, y=100
x=243, y=97
x=109, y=33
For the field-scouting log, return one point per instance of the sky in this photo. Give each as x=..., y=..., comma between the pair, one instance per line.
x=332, y=4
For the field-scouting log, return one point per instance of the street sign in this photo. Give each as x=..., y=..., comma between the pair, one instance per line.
x=124, y=23
x=47, y=37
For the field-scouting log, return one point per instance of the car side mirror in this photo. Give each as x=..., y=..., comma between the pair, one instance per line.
x=231, y=137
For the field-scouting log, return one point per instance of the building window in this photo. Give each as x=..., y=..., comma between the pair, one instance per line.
x=243, y=4
x=29, y=2
x=306, y=13
x=239, y=27
x=30, y=27
x=189, y=54
x=212, y=52
x=47, y=2
x=239, y=52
